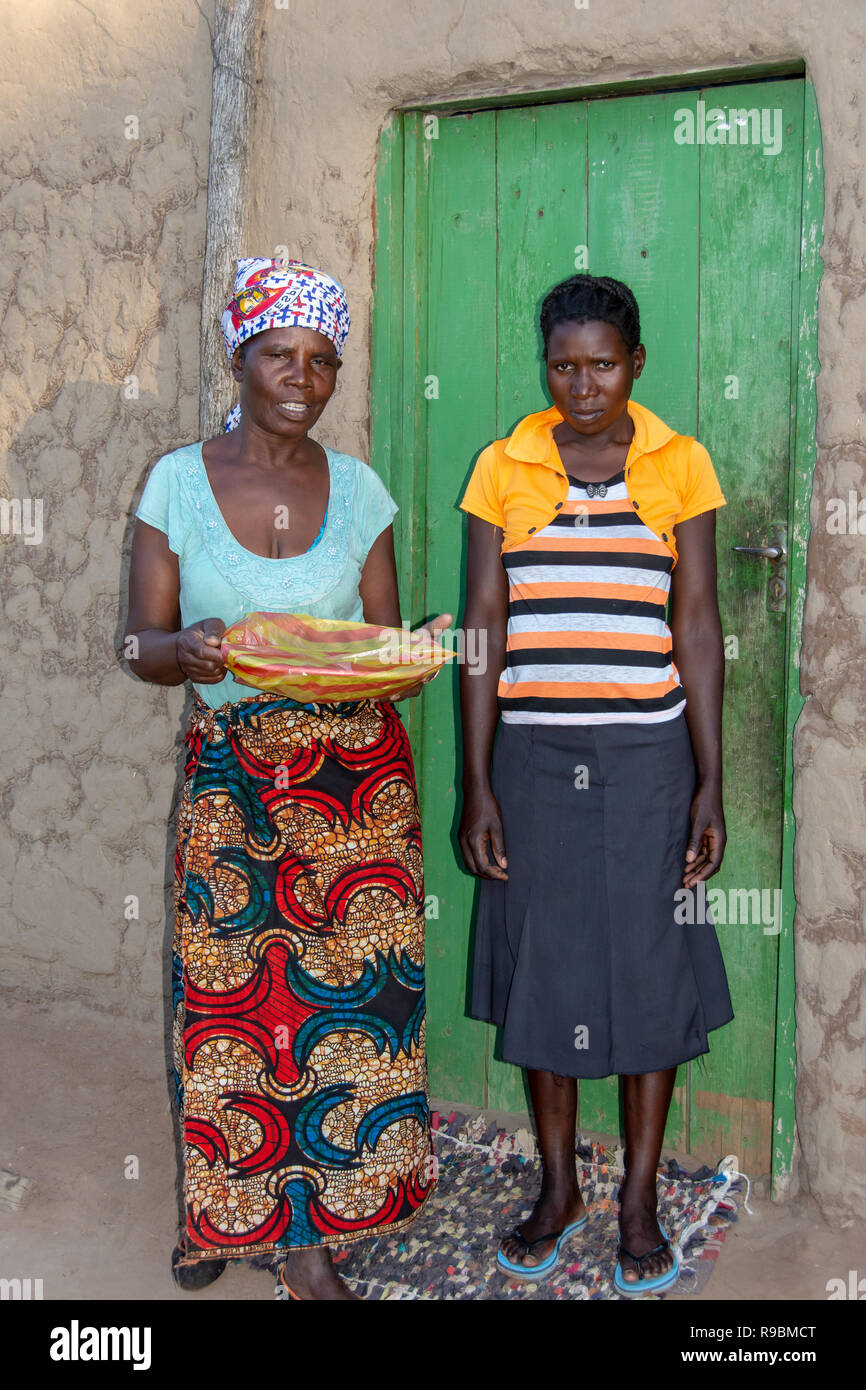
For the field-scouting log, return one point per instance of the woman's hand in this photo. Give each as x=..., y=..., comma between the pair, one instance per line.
x=699, y=656
x=706, y=845
x=198, y=652
x=480, y=826
x=431, y=629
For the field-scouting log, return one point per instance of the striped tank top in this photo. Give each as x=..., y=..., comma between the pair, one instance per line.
x=588, y=641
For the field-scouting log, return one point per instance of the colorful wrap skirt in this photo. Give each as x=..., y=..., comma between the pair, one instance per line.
x=299, y=977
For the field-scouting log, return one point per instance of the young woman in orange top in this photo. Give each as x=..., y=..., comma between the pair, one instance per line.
x=603, y=794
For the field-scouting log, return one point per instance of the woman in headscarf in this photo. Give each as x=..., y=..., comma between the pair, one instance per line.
x=299, y=896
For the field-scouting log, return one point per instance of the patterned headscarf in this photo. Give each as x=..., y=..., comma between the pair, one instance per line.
x=273, y=294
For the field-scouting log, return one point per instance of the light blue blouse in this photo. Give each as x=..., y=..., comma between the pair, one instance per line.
x=219, y=578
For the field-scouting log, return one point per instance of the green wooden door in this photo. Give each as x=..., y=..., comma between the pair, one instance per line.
x=479, y=215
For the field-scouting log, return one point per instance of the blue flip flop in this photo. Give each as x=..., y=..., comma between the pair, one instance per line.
x=640, y=1285
x=533, y=1274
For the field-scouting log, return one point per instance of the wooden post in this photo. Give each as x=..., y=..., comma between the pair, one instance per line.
x=236, y=43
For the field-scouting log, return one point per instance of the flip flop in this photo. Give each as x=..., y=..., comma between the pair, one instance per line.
x=192, y=1275
x=640, y=1285
x=281, y=1279
x=533, y=1274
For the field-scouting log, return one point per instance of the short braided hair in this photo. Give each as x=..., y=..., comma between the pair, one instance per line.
x=589, y=298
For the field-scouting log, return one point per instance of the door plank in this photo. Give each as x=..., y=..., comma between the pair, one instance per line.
x=541, y=214
x=749, y=257
x=643, y=229
x=455, y=388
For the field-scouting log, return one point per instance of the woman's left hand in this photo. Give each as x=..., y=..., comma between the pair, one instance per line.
x=708, y=836
x=432, y=629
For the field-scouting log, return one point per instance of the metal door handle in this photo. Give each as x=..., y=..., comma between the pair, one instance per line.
x=766, y=552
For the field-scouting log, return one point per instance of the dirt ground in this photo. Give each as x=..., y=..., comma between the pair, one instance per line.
x=86, y=1102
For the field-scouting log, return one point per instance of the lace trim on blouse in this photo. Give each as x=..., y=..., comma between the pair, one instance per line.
x=307, y=577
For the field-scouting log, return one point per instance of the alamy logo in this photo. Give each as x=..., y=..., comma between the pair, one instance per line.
x=21, y=1288
x=22, y=516
x=76, y=1343
x=758, y=907
x=739, y=125
x=854, y=1289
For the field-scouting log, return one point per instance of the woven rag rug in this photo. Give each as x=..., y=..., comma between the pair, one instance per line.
x=488, y=1181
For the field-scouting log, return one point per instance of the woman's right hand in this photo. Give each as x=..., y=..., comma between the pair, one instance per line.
x=197, y=649
x=480, y=827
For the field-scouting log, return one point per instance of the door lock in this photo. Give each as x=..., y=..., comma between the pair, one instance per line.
x=767, y=552
x=776, y=551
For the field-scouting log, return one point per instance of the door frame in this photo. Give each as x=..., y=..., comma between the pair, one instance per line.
x=395, y=427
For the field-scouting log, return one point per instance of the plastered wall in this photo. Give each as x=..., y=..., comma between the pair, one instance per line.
x=103, y=179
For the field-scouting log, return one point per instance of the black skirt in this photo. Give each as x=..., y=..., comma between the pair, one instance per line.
x=579, y=955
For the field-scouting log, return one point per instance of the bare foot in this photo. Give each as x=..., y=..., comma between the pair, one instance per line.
x=552, y=1212
x=309, y=1274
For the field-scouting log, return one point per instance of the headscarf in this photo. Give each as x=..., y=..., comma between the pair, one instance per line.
x=273, y=294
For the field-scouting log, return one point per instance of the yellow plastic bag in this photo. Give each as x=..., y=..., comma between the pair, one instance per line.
x=323, y=659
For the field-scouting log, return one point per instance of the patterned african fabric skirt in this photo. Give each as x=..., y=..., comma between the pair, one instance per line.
x=299, y=977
